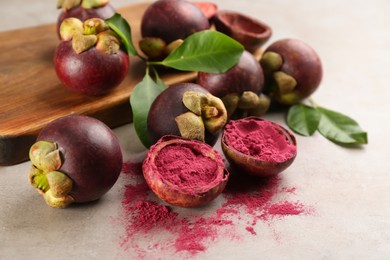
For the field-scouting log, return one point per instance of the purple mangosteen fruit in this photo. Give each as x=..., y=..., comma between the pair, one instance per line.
x=183, y=172
x=75, y=159
x=292, y=69
x=89, y=60
x=239, y=88
x=166, y=23
x=83, y=10
x=250, y=32
x=187, y=110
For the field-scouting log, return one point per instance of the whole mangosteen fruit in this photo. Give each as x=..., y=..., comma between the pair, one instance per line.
x=83, y=10
x=257, y=146
x=89, y=59
x=184, y=172
x=239, y=88
x=293, y=71
x=187, y=110
x=75, y=159
x=168, y=21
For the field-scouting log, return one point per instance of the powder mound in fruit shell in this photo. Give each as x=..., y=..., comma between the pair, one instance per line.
x=259, y=139
x=185, y=168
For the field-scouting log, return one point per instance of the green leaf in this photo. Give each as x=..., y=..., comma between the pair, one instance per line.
x=119, y=25
x=340, y=128
x=303, y=119
x=160, y=83
x=206, y=51
x=141, y=99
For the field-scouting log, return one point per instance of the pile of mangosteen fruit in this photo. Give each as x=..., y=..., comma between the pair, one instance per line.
x=78, y=159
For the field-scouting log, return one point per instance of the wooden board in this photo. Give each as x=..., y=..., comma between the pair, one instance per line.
x=31, y=95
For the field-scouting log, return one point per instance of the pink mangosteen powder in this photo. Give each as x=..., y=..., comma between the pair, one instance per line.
x=188, y=169
x=188, y=233
x=261, y=139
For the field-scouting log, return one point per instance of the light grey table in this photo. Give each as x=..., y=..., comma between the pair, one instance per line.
x=348, y=189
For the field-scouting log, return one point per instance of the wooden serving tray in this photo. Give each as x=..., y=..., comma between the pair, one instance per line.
x=31, y=95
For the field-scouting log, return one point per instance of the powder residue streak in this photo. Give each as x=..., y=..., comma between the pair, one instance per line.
x=153, y=226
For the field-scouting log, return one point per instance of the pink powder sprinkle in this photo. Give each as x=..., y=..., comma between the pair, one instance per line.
x=286, y=208
x=148, y=214
x=132, y=168
x=188, y=233
x=251, y=230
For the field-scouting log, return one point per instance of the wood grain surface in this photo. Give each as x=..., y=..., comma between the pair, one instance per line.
x=31, y=95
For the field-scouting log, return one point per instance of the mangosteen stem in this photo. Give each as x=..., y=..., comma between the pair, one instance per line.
x=95, y=26
x=209, y=111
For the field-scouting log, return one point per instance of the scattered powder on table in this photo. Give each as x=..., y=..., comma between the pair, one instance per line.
x=146, y=217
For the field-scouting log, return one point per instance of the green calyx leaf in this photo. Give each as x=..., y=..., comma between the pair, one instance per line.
x=303, y=119
x=205, y=51
x=340, y=128
x=141, y=99
x=121, y=27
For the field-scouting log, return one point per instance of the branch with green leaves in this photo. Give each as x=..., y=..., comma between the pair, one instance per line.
x=337, y=127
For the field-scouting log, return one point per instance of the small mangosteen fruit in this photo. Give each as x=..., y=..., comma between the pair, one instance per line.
x=257, y=146
x=171, y=20
x=293, y=71
x=187, y=110
x=83, y=10
x=75, y=159
x=89, y=59
x=250, y=32
x=239, y=88
x=183, y=172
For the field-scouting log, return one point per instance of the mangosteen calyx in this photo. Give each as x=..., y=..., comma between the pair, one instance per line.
x=247, y=104
x=271, y=61
x=209, y=110
x=93, y=32
x=153, y=47
x=86, y=4
x=53, y=185
x=191, y=126
x=68, y=4
x=282, y=84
